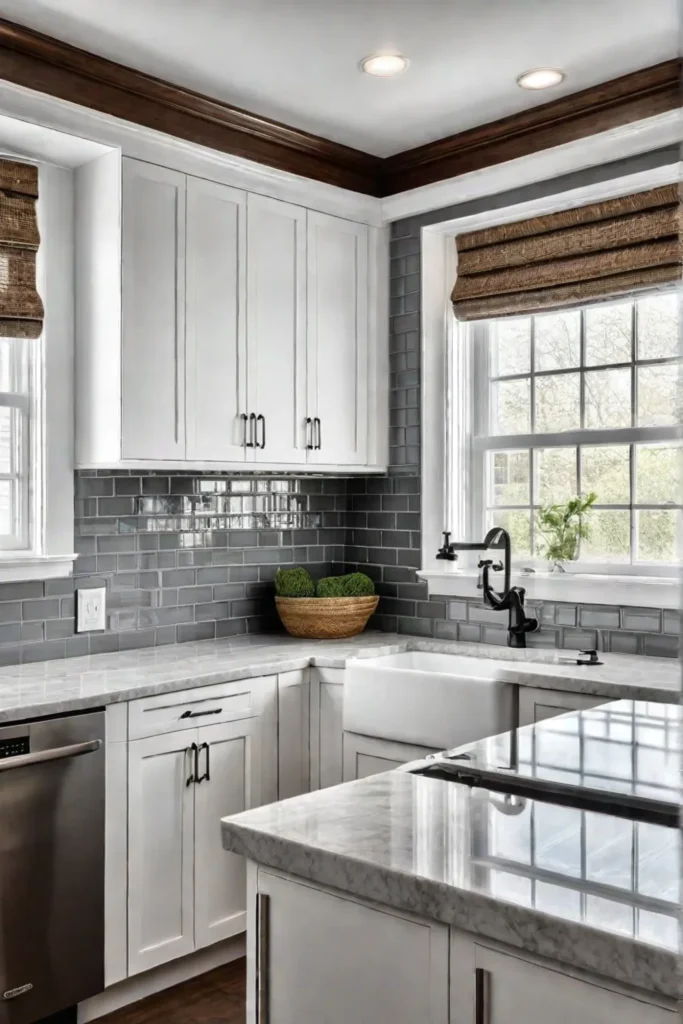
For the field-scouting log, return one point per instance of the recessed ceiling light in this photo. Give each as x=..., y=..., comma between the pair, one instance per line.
x=540, y=78
x=384, y=65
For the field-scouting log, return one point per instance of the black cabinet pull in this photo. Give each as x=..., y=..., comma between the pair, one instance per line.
x=319, y=442
x=206, y=777
x=252, y=424
x=309, y=433
x=245, y=420
x=262, y=419
x=194, y=751
x=200, y=714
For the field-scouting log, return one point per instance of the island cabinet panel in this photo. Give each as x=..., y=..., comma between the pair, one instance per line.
x=366, y=755
x=536, y=704
x=494, y=987
x=184, y=890
x=333, y=959
x=326, y=742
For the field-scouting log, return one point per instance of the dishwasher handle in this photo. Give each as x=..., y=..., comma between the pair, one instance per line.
x=55, y=754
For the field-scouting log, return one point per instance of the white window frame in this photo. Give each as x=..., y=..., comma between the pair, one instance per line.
x=50, y=526
x=447, y=375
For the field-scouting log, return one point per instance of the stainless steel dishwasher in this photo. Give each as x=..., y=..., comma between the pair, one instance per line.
x=51, y=865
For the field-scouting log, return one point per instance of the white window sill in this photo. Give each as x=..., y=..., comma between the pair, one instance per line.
x=576, y=588
x=15, y=567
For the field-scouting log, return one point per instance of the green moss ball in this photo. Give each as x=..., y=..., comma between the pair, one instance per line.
x=296, y=582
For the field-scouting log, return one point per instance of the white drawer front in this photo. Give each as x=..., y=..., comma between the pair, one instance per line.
x=188, y=709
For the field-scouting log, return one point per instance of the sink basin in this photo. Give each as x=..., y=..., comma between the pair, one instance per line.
x=427, y=699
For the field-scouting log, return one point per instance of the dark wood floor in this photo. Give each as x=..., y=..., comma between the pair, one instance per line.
x=214, y=998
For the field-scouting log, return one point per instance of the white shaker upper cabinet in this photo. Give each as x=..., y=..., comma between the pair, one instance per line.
x=276, y=329
x=216, y=342
x=337, y=340
x=153, y=321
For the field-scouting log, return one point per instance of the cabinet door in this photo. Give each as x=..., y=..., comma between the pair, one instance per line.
x=160, y=850
x=230, y=754
x=536, y=704
x=337, y=960
x=511, y=990
x=153, y=274
x=338, y=338
x=326, y=728
x=276, y=328
x=294, y=769
x=216, y=375
x=365, y=755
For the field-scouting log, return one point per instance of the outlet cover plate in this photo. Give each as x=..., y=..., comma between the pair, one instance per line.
x=91, y=609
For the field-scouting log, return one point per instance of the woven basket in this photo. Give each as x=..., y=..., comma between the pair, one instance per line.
x=325, y=618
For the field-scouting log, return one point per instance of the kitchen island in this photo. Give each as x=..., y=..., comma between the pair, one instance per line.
x=403, y=898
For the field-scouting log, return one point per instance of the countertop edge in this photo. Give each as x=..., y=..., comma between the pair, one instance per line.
x=624, y=960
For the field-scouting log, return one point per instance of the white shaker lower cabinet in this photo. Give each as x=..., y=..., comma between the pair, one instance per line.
x=494, y=987
x=184, y=890
x=327, y=696
x=332, y=959
x=366, y=755
x=337, y=302
x=294, y=762
x=537, y=704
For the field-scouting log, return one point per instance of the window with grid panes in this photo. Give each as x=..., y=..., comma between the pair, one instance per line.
x=576, y=401
x=16, y=356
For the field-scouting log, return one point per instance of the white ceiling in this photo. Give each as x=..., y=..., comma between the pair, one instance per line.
x=297, y=60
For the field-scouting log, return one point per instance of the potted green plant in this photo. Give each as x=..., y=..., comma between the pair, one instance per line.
x=563, y=526
x=335, y=607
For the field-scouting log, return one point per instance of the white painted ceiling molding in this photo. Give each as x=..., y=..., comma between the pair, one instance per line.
x=80, y=124
x=644, y=136
x=445, y=392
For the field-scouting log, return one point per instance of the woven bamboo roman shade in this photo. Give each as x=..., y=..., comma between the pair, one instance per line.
x=593, y=252
x=21, y=309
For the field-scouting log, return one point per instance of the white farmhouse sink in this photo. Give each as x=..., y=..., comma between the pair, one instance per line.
x=427, y=699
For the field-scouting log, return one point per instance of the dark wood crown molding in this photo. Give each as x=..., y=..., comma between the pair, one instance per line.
x=621, y=101
x=48, y=65
x=40, y=62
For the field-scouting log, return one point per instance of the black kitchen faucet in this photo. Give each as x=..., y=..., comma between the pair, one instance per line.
x=512, y=598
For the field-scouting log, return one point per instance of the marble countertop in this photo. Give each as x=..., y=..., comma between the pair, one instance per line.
x=53, y=687
x=596, y=893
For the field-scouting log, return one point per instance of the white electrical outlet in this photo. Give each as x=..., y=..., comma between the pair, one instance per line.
x=91, y=609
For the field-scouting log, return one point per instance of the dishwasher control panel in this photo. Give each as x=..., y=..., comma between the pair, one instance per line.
x=14, y=747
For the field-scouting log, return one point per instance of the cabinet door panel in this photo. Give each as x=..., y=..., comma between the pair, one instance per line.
x=294, y=734
x=365, y=755
x=536, y=704
x=234, y=762
x=153, y=272
x=336, y=960
x=338, y=338
x=216, y=325
x=160, y=853
x=276, y=327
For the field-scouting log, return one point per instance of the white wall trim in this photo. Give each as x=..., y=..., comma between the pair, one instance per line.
x=155, y=147
x=640, y=137
x=445, y=374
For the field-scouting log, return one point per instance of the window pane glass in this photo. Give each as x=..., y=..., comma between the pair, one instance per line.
x=608, y=399
x=509, y=478
x=510, y=407
x=557, y=340
x=657, y=474
x=510, y=346
x=517, y=522
x=657, y=535
x=610, y=537
x=606, y=471
x=608, y=334
x=657, y=326
x=11, y=429
x=557, y=402
x=7, y=518
x=555, y=478
x=658, y=398
x=14, y=365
